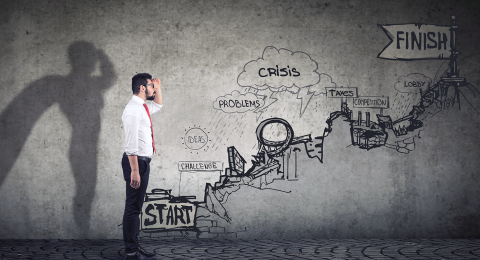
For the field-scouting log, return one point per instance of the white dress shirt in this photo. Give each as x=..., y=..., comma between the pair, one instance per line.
x=138, y=134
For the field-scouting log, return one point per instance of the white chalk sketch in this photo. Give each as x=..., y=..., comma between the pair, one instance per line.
x=280, y=78
x=161, y=211
x=238, y=103
x=413, y=83
x=194, y=175
x=281, y=70
x=416, y=42
x=196, y=139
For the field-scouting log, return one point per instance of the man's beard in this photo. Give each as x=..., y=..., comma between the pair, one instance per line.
x=152, y=97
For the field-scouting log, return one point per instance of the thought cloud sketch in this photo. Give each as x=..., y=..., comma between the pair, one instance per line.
x=266, y=92
x=413, y=83
x=278, y=69
x=325, y=82
x=196, y=139
x=281, y=74
x=238, y=103
x=408, y=87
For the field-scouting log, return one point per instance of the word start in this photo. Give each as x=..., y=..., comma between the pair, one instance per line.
x=174, y=214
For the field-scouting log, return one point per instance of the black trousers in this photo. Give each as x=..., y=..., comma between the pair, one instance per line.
x=133, y=203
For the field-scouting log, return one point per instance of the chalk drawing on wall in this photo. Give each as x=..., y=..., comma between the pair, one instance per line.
x=275, y=161
x=162, y=211
x=238, y=103
x=281, y=83
x=410, y=42
x=196, y=139
x=280, y=77
x=417, y=98
x=281, y=71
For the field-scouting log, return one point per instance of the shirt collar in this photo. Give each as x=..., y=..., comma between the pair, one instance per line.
x=138, y=99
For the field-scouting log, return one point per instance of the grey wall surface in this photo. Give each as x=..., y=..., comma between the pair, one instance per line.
x=66, y=71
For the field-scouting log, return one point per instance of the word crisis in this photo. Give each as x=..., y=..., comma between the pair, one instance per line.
x=168, y=215
x=283, y=72
x=426, y=40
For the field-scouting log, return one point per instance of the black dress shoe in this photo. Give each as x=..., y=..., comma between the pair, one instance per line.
x=144, y=252
x=138, y=256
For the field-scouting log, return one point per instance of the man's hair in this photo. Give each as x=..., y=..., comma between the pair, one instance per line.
x=138, y=80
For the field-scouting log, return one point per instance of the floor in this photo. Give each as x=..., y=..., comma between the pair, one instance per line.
x=247, y=249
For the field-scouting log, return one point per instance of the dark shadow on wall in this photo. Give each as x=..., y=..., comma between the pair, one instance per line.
x=80, y=96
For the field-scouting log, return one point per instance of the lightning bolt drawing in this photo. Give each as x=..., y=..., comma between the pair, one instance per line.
x=268, y=101
x=305, y=96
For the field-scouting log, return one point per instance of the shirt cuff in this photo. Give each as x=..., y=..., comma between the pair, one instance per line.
x=156, y=104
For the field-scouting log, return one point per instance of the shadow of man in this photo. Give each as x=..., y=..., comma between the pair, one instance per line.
x=80, y=96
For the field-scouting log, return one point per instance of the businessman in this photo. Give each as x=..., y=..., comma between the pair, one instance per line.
x=139, y=148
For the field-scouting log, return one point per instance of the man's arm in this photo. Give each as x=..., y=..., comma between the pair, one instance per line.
x=132, y=124
x=135, y=174
x=158, y=96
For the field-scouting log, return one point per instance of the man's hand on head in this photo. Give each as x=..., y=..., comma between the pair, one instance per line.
x=158, y=92
x=156, y=83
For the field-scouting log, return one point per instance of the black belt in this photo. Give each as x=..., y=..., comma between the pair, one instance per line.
x=143, y=158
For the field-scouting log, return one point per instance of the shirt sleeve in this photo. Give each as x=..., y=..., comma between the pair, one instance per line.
x=131, y=124
x=153, y=107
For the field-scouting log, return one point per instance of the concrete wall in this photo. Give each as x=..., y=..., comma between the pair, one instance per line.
x=66, y=69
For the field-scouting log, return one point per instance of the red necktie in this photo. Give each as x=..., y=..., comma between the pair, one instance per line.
x=151, y=127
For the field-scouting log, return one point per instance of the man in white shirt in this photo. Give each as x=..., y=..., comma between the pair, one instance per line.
x=139, y=148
